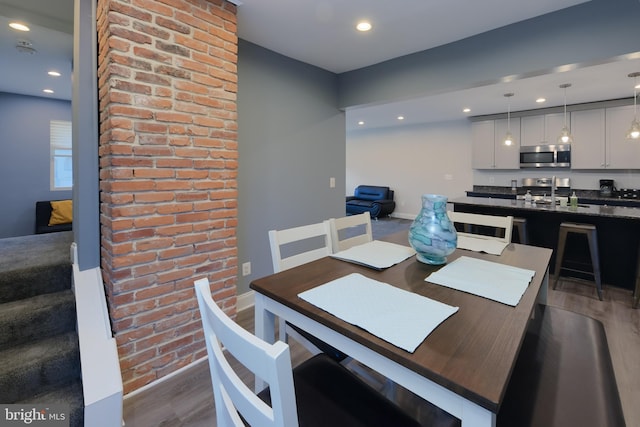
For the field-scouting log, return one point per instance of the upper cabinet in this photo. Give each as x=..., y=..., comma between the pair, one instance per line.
x=543, y=129
x=622, y=153
x=488, y=149
x=588, y=150
x=599, y=139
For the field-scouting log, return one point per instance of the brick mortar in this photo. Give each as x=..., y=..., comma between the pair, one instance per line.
x=168, y=174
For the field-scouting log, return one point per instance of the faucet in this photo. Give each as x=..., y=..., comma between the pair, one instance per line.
x=553, y=191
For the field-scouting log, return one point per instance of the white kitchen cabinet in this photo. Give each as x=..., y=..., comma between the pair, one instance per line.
x=488, y=149
x=588, y=150
x=622, y=153
x=542, y=129
x=600, y=139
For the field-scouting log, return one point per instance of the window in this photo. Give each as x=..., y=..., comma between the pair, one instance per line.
x=61, y=168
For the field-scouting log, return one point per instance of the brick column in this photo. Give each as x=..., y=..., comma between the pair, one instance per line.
x=168, y=174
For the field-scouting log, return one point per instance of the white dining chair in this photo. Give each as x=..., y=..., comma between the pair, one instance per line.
x=293, y=247
x=473, y=222
x=296, y=246
x=323, y=233
x=318, y=392
x=350, y=231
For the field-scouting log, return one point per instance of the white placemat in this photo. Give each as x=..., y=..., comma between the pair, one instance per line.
x=376, y=254
x=498, y=282
x=478, y=244
x=399, y=317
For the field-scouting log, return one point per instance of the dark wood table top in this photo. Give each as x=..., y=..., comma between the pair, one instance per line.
x=472, y=353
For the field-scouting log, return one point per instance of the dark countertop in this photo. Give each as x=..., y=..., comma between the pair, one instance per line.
x=583, y=208
x=587, y=197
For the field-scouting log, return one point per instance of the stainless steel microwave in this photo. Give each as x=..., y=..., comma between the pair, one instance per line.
x=545, y=156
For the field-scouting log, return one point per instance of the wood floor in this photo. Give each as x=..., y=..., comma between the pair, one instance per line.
x=186, y=399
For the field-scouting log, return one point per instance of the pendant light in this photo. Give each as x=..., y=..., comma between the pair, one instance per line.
x=565, y=136
x=508, y=139
x=634, y=131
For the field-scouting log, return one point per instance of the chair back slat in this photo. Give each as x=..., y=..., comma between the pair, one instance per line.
x=348, y=225
x=497, y=222
x=270, y=362
x=307, y=248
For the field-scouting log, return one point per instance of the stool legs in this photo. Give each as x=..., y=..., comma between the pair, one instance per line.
x=520, y=224
x=562, y=239
x=595, y=260
x=592, y=238
x=636, y=292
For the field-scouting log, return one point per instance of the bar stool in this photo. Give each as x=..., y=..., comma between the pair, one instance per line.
x=520, y=224
x=590, y=231
x=636, y=292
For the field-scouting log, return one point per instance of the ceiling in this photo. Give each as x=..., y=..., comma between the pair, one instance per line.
x=51, y=35
x=321, y=33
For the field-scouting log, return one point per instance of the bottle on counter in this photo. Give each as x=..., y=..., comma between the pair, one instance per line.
x=527, y=197
x=573, y=200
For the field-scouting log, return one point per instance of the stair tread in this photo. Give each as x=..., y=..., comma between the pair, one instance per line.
x=28, y=282
x=38, y=350
x=38, y=302
x=69, y=394
x=36, y=367
x=36, y=318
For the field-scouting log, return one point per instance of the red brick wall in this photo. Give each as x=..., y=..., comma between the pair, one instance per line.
x=168, y=174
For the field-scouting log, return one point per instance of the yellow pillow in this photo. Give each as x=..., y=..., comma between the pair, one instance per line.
x=61, y=212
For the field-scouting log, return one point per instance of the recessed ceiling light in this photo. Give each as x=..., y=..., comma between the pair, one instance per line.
x=541, y=100
x=47, y=90
x=54, y=73
x=466, y=110
x=361, y=123
x=363, y=26
x=400, y=117
x=19, y=26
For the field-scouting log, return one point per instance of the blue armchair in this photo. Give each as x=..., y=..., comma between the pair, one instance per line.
x=378, y=201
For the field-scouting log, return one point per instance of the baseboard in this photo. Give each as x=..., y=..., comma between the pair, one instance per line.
x=101, y=375
x=165, y=378
x=245, y=301
x=403, y=215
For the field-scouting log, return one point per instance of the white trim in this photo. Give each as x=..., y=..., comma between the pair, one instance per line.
x=165, y=378
x=101, y=377
x=245, y=300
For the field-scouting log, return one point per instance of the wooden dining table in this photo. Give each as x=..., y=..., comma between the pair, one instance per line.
x=463, y=366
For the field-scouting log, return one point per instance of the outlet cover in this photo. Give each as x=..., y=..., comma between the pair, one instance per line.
x=246, y=269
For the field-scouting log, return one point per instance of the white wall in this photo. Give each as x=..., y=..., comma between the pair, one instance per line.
x=436, y=158
x=412, y=160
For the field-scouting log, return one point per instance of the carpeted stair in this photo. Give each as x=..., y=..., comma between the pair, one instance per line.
x=38, y=339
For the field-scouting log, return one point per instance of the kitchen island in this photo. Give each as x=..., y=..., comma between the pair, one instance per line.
x=618, y=232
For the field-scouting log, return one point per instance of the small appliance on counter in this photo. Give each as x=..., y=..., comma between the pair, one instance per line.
x=606, y=188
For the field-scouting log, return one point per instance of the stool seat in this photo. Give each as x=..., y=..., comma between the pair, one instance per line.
x=520, y=224
x=590, y=231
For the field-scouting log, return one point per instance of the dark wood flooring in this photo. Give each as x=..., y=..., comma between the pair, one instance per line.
x=186, y=399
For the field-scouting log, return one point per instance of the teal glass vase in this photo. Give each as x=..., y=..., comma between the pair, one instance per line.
x=432, y=233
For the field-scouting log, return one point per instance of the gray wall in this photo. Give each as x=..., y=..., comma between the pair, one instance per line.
x=86, y=226
x=24, y=164
x=291, y=140
x=584, y=34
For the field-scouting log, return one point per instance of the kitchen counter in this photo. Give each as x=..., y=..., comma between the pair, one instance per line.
x=618, y=232
x=589, y=197
x=632, y=213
